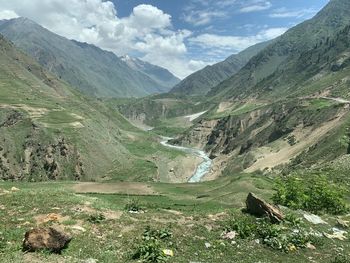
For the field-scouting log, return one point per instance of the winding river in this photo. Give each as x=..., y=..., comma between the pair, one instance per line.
x=202, y=169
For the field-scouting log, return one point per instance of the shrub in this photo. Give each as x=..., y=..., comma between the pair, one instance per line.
x=150, y=251
x=96, y=218
x=133, y=205
x=316, y=195
x=279, y=237
x=245, y=226
x=150, y=234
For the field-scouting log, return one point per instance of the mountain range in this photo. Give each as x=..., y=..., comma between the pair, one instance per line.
x=90, y=69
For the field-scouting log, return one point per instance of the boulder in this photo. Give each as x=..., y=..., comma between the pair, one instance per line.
x=258, y=207
x=52, y=239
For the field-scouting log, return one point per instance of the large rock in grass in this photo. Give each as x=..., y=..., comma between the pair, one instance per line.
x=52, y=239
x=258, y=207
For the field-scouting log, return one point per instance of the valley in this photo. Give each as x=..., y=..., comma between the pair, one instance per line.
x=106, y=157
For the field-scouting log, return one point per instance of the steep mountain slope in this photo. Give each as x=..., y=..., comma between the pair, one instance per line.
x=286, y=50
x=288, y=107
x=200, y=82
x=160, y=75
x=92, y=70
x=48, y=130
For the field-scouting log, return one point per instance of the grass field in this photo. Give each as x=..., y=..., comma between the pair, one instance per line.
x=194, y=215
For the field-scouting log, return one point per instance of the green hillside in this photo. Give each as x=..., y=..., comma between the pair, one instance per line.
x=285, y=51
x=200, y=82
x=51, y=131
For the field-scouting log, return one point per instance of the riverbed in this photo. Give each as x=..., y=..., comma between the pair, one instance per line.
x=202, y=169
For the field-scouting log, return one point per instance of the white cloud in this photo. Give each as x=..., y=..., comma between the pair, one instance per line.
x=7, y=14
x=256, y=6
x=225, y=44
x=204, y=12
x=202, y=17
x=285, y=13
x=147, y=31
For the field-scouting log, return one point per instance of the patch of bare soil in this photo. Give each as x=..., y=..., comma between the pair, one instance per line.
x=52, y=217
x=224, y=106
x=179, y=170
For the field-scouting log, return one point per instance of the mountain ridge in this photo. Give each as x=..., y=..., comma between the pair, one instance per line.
x=200, y=82
x=92, y=70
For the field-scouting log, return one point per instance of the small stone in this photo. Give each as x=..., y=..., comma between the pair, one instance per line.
x=337, y=234
x=79, y=228
x=168, y=252
x=229, y=235
x=310, y=246
x=207, y=245
x=342, y=223
x=90, y=260
x=314, y=219
x=14, y=189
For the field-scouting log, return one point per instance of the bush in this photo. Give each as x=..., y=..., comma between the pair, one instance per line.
x=279, y=237
x=245, y=226
x=150, y=251
x=150, y=234
x=133, y=205
x=96, y=218
x=316, y=195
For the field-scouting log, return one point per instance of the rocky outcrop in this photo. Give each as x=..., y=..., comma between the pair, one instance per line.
x=258, y=207
x=52, y=239
x=33, y=154
x=239, y=136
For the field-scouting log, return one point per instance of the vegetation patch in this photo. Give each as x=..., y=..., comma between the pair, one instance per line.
x=151, y=248
x=315, y=194
x=288, y=236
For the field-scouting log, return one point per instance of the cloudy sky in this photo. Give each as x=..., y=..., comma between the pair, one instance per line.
x=180, y=35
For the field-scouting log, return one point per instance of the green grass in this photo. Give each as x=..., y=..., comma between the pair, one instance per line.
x=58, y=117
x=197, y=221
x=318, y=104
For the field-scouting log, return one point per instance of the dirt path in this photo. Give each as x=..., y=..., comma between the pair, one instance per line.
x=115, y=188
x=340, y=100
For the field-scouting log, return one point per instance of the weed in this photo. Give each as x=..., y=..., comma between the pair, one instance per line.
x=150, y=251
x=152, y=234
x=245, y=226
x=133, y=205
x=96, y=218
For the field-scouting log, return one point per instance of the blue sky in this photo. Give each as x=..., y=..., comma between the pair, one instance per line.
x=228, y=18
x=181, y=35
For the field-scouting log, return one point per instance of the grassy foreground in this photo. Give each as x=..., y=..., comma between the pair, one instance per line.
x=187, y=219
